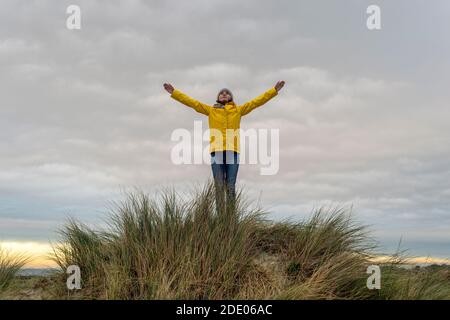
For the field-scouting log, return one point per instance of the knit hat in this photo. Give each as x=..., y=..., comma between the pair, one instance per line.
x=227, y=90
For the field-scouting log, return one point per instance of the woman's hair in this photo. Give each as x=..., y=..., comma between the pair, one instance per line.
x=224, y=89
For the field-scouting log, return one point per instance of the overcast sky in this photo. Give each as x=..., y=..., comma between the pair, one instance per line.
x=363, y=117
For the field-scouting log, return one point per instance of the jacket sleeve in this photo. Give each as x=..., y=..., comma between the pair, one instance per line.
x=190, y=102
x=258, y=101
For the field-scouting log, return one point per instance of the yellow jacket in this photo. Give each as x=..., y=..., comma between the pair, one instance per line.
x=224, y=123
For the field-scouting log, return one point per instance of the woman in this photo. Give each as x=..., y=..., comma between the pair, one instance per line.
x=224, y=119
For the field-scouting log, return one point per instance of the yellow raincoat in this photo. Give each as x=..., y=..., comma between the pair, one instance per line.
x=224, y=123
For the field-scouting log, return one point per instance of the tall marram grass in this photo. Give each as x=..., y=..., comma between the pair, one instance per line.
x=426, y=283
x=325, y=257
x=170, y=248
x=10, y=264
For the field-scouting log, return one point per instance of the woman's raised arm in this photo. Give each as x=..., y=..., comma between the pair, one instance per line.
x=186, y=100
x=262, y=99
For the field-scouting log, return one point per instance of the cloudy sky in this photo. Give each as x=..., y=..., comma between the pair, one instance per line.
x=363, y=117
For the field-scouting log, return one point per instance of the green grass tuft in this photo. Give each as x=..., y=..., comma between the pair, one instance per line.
x=10, y=264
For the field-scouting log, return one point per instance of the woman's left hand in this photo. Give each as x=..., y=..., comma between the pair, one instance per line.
x=279, y=85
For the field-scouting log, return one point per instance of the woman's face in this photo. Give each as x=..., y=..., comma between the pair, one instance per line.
x=224, y=97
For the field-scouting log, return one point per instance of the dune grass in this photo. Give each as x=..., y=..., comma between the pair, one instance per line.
x=175, y=248
x=172, y=247
x=10, y=264
x=178, y=247
x=426, y=283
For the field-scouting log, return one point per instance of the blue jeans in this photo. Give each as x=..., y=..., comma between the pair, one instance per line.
x=225, y=165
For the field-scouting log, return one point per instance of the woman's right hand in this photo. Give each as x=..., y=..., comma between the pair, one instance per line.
x=169, y=88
